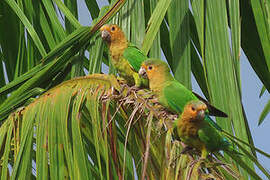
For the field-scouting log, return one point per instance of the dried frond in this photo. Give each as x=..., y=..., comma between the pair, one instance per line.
x=97, y=124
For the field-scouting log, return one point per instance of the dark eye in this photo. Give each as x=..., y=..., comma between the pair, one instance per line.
x=193, y=108
x=150, y=67
x=113, y=28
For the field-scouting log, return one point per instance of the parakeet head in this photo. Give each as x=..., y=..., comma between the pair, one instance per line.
x=194, y=110
x=154, y=68
x=111, y=33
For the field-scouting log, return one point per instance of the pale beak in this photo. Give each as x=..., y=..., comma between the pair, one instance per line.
x=142, y=72
x=201, y=114
x=105, y=35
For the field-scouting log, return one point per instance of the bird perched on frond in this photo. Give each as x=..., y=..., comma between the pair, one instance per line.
x=125, y=57
x=170, y=92
x=196, y=132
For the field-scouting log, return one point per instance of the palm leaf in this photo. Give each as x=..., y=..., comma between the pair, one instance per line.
x=106, y=127
x=264, y=113
x=83, y=110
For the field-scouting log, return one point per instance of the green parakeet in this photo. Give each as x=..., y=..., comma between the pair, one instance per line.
x=195, y=131
x=125, y=57
x=170, y=93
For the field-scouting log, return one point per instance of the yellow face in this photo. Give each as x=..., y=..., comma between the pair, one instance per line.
x=150, y=70
x=110, y=33
x=195, y=110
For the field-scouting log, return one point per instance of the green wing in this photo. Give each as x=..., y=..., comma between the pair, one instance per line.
x=176, y=96
x=210, y=137
x=134, y=56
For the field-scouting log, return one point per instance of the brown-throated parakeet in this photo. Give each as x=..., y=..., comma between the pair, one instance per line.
x=170, y=93
x=195, y=131
x=125, y=57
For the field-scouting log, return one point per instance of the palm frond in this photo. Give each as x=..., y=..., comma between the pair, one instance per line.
x=105, y=126
x=91, y=127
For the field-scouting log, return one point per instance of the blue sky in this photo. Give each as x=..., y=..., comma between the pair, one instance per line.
x=251, y=86
x=253, y=105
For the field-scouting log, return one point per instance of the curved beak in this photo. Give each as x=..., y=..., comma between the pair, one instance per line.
x=142, y=72
x=105, y=35
x=201, y=114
